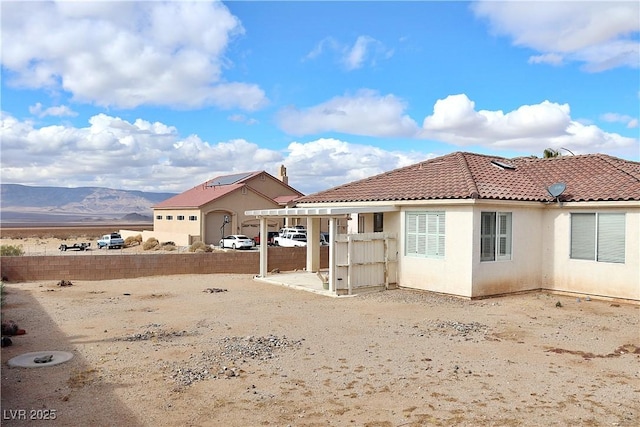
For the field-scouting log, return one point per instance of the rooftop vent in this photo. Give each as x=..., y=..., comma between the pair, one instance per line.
x=503, y=165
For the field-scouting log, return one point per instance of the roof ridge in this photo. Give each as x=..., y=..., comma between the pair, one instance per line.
x=615, y=162
x=468, y=176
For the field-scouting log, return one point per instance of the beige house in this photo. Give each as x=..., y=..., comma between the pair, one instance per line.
x=216, y=207
x=474, y=225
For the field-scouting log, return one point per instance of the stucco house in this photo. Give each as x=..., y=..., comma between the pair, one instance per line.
x=216, y=207
x=476, y=225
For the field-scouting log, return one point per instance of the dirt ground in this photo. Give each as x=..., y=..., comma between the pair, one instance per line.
x=227, y=350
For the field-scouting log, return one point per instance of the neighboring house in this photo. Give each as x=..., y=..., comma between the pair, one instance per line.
x=475, y=225
x=216, y=207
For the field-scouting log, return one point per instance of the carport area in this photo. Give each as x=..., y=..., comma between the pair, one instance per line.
x=310, y=279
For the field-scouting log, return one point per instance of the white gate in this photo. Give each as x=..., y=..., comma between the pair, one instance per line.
x=365, y=262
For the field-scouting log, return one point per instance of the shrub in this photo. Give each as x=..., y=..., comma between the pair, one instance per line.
x=169, y=247
x=151, y=243
x=199, y=246
x=11, y=250
x=133, y=240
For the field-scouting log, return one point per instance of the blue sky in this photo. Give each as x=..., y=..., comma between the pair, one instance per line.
x=161, y=96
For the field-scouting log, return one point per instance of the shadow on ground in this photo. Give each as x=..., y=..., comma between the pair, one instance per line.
x=72, y=392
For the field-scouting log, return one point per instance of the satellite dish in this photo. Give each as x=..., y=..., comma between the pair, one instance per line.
x=556, y=189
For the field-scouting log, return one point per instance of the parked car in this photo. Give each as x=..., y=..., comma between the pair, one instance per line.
x=291, y=239
x=270, y=236
x=236, y=241
x=113, y=240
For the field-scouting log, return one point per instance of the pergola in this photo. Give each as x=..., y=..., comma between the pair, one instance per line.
x=313, y=216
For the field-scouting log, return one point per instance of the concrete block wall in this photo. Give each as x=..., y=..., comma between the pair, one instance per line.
x=118, y=266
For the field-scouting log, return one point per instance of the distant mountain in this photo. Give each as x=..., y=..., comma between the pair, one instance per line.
x=82, y=202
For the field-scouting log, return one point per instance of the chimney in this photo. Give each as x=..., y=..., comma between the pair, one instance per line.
x=283, y=175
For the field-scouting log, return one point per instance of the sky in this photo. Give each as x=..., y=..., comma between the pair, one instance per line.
x=162, y=96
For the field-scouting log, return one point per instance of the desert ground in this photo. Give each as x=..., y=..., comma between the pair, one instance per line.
x=228, y=350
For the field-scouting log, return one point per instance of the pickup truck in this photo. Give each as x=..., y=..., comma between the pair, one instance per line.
x=113, y=240
x=290, y=239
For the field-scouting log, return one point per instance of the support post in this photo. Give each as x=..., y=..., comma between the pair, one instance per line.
x=332, y=254
x=264, y=240
x=313, y=245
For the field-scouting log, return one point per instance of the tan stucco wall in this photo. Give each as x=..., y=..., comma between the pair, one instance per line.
x=591, y=277
x=523, y=271
x=270, y=187
x=235, y=204
x=174, y=225
x=451, y=274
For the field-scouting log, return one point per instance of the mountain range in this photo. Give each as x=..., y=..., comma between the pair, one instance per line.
x=27, y=204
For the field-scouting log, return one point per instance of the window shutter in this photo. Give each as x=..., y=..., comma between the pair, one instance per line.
x=422, y=235
x=504, y=236
x=487, y=236
x=611, y=241
x=412, y=227
x=441, y=234
x=583, y=236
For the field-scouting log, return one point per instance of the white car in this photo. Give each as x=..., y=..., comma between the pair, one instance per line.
x=291, y=239
x=236, y=241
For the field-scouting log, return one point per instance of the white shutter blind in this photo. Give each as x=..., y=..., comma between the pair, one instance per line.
x=441, y=234
x=583, y=236
x=487, y=236
x=504, y=236
x=422, y=234
x=412, y=226
x=611, y=232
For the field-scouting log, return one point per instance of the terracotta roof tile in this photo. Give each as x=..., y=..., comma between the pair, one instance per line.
x=467, y=175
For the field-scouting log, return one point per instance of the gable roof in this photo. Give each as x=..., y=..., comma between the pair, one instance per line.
x=214, y=189
x=461, y=175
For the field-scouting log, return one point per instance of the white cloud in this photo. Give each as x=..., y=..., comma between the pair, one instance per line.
x=328, y=162
x=58, y=111
x=365, y=113
x=151, y=156
x=364, y=51
x=455, y=120
x=126, y=54
x=241, y=118
x=602, y=35
x=547, y=58
x=630, y=122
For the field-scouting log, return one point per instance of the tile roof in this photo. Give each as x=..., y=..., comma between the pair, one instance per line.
x=208, y=191
x=461, y=175
x=198, y=196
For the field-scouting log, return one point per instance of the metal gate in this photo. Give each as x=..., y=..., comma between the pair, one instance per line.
x=365, y=262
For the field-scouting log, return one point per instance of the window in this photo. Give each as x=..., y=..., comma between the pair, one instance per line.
x=180, y=217
x=495, y=236
x=425, y=234
x=598, y=237
x=169, y=217
x=158, y=216
x=193, y=218
x=377, y=222
x=360, y=223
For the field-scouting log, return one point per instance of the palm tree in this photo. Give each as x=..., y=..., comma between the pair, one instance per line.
x=549, y=153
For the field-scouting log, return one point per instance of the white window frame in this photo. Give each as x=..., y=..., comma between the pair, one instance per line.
x=598, y=236
x=499, y=237
x=193, y=217
x=425, y=234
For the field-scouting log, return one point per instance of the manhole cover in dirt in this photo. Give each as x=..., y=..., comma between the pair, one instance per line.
x=39, y=359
